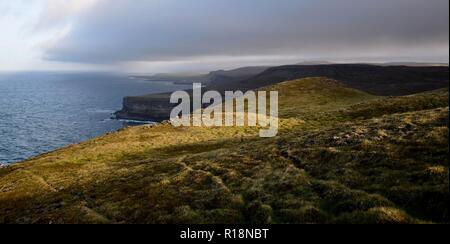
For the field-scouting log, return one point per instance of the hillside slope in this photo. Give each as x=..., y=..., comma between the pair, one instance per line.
x=342, y=155
x=373, y=79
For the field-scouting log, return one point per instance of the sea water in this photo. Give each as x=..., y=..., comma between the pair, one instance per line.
x=41, y=112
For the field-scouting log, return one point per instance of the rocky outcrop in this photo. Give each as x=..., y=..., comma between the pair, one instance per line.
x=157, y=107
x=146, y=108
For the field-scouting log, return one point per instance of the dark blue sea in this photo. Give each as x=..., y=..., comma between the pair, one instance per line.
x=41, y=112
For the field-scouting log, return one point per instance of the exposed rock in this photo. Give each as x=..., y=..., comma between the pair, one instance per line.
x=147, y=108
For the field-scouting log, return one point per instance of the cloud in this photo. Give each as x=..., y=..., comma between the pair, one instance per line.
x=118, y=31
x=59, y=13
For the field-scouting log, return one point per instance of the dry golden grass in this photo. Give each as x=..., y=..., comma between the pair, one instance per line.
x=341, y=156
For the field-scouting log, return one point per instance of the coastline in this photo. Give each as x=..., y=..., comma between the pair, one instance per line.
x=45, y=111
x=129, y=123
x=125, y=116
x=209, y=175
x=153, y=107
x=368, y=78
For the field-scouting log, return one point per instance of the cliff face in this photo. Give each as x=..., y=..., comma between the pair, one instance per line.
x=149, y=108
x=157, y=107
x=376, y=80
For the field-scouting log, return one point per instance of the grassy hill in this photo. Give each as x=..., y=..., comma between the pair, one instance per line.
x=373, y=79
x=342, y=156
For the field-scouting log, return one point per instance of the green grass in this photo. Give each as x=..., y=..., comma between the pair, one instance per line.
x=342, y=156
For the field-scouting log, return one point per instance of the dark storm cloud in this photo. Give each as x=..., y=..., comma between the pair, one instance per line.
x=161, y=30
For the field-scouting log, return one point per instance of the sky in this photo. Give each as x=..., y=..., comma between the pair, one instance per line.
x=151, y=36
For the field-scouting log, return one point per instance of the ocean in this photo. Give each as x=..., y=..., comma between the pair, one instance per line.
x=41, y=112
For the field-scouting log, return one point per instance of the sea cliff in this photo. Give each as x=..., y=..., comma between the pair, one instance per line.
x=373, y=79
x=146, y=108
